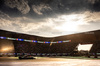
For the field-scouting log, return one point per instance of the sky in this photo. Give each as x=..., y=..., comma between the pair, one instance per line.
x=49, y=18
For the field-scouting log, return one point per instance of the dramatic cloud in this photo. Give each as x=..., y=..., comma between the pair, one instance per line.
x=49, y=18
x=32, y=27
x=93, y=1
x=92, y=17
x=3, y=15
x=21, y=5
x=39, y=8
x=92, y=21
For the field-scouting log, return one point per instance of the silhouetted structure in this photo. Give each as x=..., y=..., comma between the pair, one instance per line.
x=92, y=37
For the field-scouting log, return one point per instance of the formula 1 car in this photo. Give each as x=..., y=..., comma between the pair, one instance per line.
x=26, y=57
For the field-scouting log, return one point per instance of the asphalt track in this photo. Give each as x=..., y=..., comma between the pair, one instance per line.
x=46, y=61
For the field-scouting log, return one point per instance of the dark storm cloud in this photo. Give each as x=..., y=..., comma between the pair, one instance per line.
x=38, y=9
x=46, y=8
x=21, y=5
x=96, y=6
x=3, y=15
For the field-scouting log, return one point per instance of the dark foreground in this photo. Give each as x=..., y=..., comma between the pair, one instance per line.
x=46, y=61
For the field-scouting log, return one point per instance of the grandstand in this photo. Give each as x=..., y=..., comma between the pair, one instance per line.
x=17, y=46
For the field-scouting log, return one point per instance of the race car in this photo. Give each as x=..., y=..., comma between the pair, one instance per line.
x=26, y=57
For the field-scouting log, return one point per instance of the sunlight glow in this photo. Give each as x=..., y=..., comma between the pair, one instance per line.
x=71, y=22
x=6, y=49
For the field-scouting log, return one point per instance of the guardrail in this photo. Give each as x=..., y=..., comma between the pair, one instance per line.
x=35, y=54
